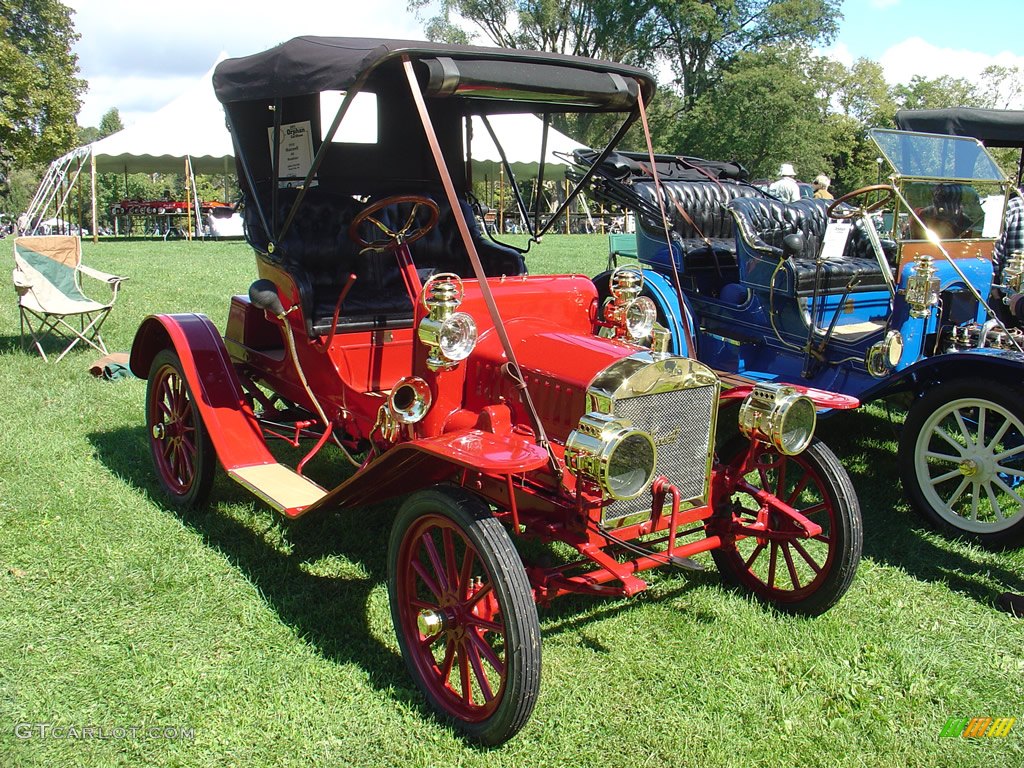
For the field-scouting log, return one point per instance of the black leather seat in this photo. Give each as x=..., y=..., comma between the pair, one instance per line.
x=705, y=232
x=762, y=224
x=320, y=256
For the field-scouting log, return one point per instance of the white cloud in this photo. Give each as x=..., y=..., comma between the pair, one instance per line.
x=838, y=52
x=137, y=58
x=915, y=56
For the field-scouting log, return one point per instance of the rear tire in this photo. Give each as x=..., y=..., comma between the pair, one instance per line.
x=183, y=455
x=961, y=459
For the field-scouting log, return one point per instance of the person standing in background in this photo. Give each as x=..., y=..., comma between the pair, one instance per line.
x=1011, y=240
x=786, y=188
x=821, y=183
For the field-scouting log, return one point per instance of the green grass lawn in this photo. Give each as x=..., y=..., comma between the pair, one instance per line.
x=271, y=644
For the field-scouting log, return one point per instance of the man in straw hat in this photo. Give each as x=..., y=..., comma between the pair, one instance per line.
x=786, y=188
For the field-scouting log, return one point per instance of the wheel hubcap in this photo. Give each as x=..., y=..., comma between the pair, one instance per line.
x=968, y=468
x=430, y=622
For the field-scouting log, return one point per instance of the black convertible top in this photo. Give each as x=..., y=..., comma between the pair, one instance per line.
x=309, y=64
x=993, y=127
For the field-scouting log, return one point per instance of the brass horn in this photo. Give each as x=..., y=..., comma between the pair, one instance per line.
x=409, y=400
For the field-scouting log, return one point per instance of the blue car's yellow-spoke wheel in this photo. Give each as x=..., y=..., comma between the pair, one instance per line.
x=962, y=460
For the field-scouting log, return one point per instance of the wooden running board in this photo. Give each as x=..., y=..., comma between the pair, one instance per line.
x=280, y=486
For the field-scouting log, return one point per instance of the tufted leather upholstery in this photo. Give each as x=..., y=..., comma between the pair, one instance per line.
x=762, y=225
x=705, y=202
x=319, y=255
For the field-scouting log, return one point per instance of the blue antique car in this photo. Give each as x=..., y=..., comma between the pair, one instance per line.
x=883, y=293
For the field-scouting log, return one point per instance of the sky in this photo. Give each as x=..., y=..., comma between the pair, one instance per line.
x=137, y=59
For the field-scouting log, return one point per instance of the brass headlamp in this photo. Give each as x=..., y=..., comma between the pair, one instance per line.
x=450, y=335
x=780, y=416
x=631, y=315
x=883, y=356
x=613, y=455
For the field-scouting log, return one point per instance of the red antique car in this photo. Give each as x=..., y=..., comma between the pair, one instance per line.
x=504, y=407
x=162, y=207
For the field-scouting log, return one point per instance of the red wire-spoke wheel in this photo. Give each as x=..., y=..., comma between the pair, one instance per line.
x=182, y=452
x=781, y=567
x=464, y=613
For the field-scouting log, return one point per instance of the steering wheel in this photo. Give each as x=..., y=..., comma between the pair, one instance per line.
x=833, y=213
x=392, y=240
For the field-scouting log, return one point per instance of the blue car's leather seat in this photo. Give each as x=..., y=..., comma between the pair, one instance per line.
x=762, y=224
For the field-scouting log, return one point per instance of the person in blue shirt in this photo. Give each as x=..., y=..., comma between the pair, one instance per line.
x=786, y=188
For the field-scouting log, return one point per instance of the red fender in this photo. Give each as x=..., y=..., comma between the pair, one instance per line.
x=410, y=466
x=229, y=419
x=820, y=397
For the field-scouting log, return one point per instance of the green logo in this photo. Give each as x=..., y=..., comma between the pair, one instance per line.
x=978, y=727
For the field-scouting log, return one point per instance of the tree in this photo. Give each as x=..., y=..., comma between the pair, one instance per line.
x=110, y=123
x=603, y=29
x=700, y=37
x=862, y=100
x=765, y=110
x=39, y=89
x=938, y=93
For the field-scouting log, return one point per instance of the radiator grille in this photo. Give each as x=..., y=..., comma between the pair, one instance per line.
x=680, y=423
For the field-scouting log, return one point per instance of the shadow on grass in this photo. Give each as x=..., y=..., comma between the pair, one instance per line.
x=330, y=612
x=52, y=345
x=15, y=343
x=893, y=532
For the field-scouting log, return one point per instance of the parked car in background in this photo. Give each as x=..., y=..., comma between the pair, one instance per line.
x=385, y=324
x=883, y=293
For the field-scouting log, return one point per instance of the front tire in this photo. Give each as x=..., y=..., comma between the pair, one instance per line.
x=183, y=455
x=798, y=575
x=961, y=459
x=464, y=613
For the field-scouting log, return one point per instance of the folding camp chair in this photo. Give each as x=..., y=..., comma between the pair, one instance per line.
x=47, y=277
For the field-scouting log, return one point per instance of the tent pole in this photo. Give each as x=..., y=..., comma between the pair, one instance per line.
x=568, y=226
x=78, y=179
x=188, y=196
x=92, y=193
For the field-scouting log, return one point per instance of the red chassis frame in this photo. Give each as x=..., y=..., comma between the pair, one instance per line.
x=474, y=436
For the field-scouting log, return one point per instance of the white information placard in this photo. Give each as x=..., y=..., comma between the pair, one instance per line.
x=834, y=243
x=296, y=153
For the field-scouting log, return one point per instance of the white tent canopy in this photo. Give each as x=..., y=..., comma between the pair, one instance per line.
x=192, y=126
x=520, y=136
x=189, y=135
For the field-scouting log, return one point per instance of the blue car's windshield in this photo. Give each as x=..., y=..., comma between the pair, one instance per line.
x=930, y=156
